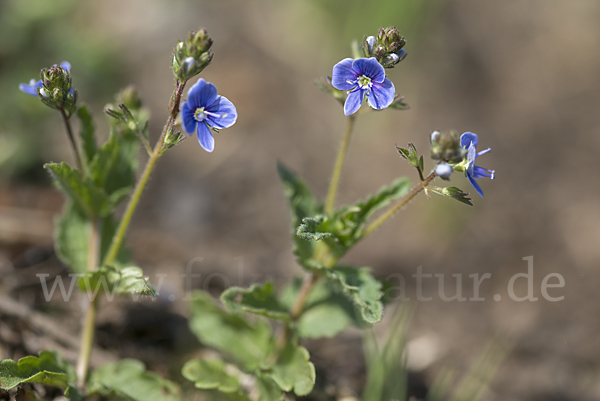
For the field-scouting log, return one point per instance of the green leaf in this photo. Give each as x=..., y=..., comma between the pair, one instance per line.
x=210, y=375
x=327, y=311
x=293, y=370
x=114, y=166
x=111, y=281
x=89, y=198
x=342, y=230
x=452, y=192
x=259, y=299
x=71, y=239
x=88, y=140
x=409, y=155
x=302, y=204
x=129, y=378
x=361, y=287
x=354, y=218
x=249, y=343
x=324, y=320
x=49, y=369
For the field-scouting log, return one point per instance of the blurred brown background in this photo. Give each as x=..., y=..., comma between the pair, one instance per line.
x=524, y=75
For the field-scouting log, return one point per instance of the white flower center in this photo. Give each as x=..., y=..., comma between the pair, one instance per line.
x=200, y=114
x=364, y=82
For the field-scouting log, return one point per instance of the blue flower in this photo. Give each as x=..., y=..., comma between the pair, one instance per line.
x=469, y=141
x=33, y=86
x=364, y=76
x=205, y=110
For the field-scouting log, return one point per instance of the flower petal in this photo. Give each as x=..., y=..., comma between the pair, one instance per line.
x=187, y=117
x=467, y=138
x=205, y=138
x=65, y=65
x=225, y=109
x=32, y=88
x=202, y=94
x=381, y=95
x=369, y=67
x=343, y=76
x=475, y=185
x=353, y=101
x=479, y=172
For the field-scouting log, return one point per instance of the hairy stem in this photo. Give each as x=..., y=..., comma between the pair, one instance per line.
x=407, y=198
x=87, y=335
x=74, y=147
x=339, y=162
x=117, y=240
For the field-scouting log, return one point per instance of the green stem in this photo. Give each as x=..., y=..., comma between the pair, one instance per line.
x=407, y=198
x=74, y=147
x=87, y=335
x=119, y=236
x=339, y=162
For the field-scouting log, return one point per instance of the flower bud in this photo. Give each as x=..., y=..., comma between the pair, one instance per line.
x=446, y=148
x=443, y=170
x=388, y=47
x=368, y=46
x=192, y=56
x=56, y=90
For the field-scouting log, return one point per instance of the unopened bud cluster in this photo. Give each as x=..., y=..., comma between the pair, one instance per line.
x=386, y=47
x=56, y=90
x=447, y=148
x=192, y=56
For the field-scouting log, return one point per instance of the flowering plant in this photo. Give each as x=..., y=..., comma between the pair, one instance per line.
x=261, y=358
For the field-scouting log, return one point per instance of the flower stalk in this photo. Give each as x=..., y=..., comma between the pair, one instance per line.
x=339, y=163
x=74, y=148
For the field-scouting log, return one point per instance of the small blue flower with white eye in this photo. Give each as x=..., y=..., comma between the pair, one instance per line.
x=469, y=141
x=204, y=111
x=363, y=77
x=33, y=86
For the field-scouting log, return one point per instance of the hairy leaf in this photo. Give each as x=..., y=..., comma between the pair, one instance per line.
x=71, y=239
x=249, y=343
x=88, y=139
x=111, y=281
x=361, y=287
x=129, y=378
x=49, y=369
x=293, y=370
x=259, y=299
x=210, y=374
x=85, y=195
x=302, y=204
x=453, y=192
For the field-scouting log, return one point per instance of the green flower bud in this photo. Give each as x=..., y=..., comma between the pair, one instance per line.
x=387, y=47
x=447, y=148
x=56, y=91
x=192, y=56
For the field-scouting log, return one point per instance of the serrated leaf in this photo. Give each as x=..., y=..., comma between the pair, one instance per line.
x=361, y=287
x=293, y=370
x=302, y=204
x=110, y=281
x=210, y=374
x=49, y=369
x=85, y=195
x=129, y=378
x=327, y=312
x=86, y=133
x=259, y=299
x=452, y=192
x=249, y=343
x=312, y=229
x=71, y=239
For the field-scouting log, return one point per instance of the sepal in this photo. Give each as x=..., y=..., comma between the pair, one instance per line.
x=452, y=192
